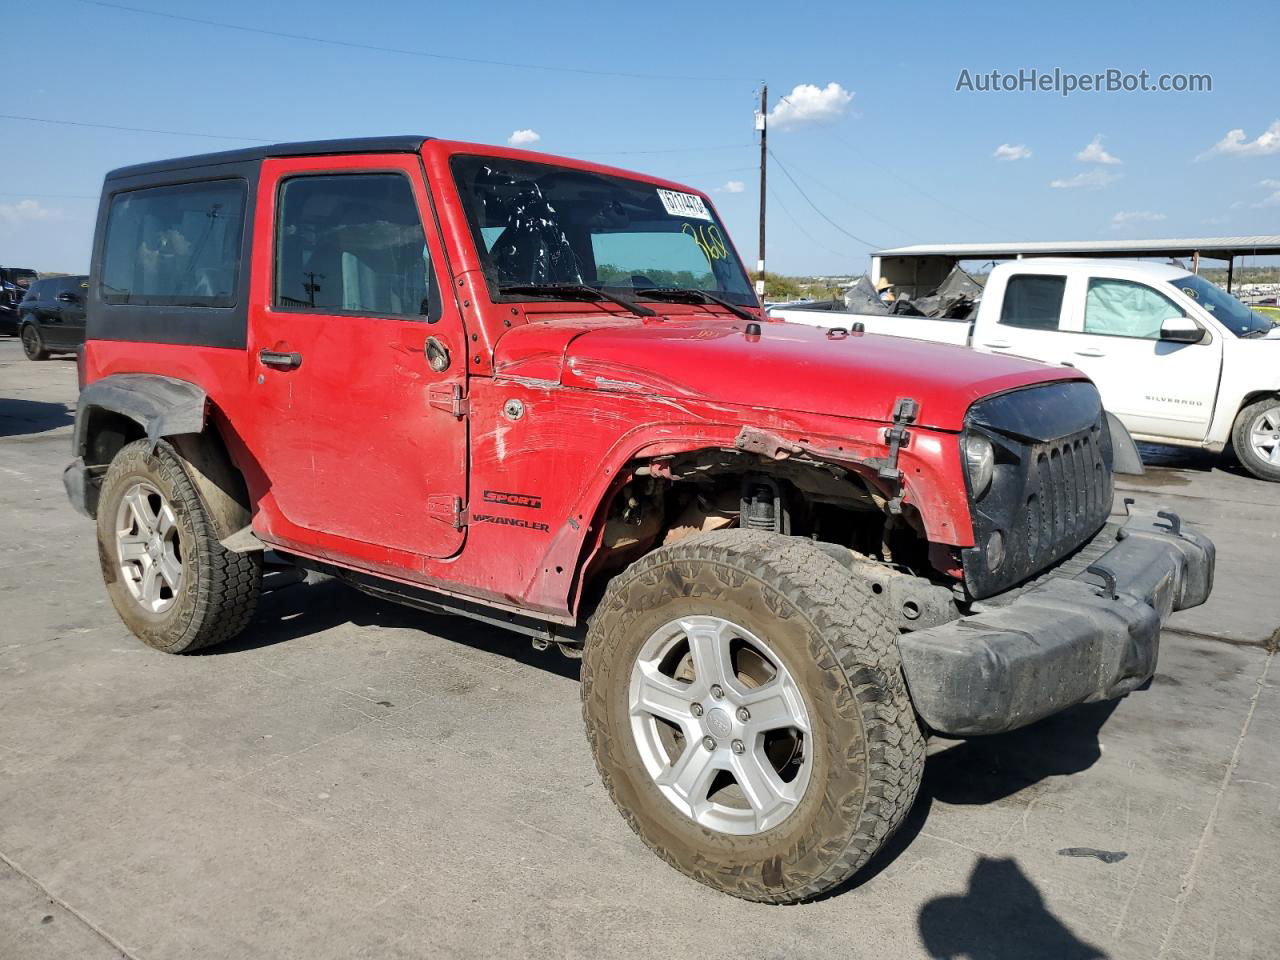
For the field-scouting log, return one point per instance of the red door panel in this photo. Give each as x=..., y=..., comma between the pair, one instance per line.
x=348, y=435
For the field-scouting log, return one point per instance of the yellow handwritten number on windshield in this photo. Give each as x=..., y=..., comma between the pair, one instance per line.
x=708, y=238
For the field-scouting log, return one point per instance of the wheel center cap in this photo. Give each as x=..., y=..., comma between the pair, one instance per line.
x=718, y=722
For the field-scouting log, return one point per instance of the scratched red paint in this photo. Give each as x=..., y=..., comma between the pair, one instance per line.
x=349, y=460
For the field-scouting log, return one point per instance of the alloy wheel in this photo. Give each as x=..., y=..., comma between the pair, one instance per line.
x=720, y=724
x=149, y=548
x=1264, y=435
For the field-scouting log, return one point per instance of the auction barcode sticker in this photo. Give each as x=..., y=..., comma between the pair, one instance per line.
x=683, y=204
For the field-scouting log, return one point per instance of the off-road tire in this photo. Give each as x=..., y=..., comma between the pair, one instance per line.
x=32, y=343
x=1243, y=446
x=219, y=589
x=838, y=642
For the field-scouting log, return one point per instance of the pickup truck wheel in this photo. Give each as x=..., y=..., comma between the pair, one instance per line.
x=1256, y=438
x=170, y=580
x=33, y=343
x=744, y=699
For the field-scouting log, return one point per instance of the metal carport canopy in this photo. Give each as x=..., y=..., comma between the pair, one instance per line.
x=919, y=268
x=1216, y=248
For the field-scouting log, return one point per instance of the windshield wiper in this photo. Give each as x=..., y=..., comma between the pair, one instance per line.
x=698, y=296
x=577, y=290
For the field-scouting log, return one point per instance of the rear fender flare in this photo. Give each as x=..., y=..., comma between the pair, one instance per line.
x=175, y=411
x=162, y=406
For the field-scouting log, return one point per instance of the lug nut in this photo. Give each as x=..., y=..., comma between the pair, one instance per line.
x=717, y=691
x=744, y=714
x=708, y=743
x=739, y=746
x=696, y=709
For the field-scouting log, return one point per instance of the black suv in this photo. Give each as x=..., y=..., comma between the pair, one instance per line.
x=14, y=282
x=51, y=316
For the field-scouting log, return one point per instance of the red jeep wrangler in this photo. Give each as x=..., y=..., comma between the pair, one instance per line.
x=540, y=393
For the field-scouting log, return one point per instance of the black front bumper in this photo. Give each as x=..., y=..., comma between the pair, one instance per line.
x=1065, y=640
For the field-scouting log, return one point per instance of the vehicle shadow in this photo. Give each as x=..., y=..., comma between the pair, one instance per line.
x=294, y=605
x=18, y=417
x=1186, y=458
x=1002, y=916
x=987, y=769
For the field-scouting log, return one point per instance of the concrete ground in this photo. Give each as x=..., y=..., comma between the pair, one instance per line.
x=353, y=779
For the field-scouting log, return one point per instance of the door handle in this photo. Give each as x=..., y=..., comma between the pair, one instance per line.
x=1091, y=352
x=998, y=345
x=275, y=358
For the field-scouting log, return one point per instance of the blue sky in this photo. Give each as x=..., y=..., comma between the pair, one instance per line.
x=891, y=153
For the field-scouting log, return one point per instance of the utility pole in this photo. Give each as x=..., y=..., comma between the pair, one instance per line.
x=762, y=124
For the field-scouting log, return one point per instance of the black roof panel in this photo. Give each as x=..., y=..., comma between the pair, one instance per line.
x=307, y=148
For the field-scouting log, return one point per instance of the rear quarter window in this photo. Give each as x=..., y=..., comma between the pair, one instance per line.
x=1033, y=301
x=176, y=245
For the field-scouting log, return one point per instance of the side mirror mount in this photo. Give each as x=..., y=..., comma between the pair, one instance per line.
x=1181, y=330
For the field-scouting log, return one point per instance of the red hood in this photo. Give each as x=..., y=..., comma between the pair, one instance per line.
x=788, y=367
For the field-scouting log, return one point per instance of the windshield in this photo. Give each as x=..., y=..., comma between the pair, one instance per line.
x=1225, y=308
x=536, y=224
x=17, y=276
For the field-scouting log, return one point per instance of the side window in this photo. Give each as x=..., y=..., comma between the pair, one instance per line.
x=175, y=246
x=1123, y=308
x=353, y=243
x=1033, y=301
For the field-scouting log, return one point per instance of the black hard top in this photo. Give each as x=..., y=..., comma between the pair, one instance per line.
x=308, y=148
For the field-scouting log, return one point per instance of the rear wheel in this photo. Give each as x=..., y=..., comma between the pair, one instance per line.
x=173, y=584
x=33, y=343
x=744, y=700
x=1256, y=438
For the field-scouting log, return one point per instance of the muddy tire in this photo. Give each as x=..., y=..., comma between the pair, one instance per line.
x=807, y=649
x=170, y=580
x=1255, y=437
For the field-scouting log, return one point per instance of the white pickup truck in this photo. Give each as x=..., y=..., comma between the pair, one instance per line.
x=1176, y=358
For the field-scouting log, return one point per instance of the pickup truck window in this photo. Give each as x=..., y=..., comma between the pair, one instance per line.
x=1124, y=308
x=175, y=245
x=352, y=243
x=1033, y=301
x=539, y=224
x=1226, y=309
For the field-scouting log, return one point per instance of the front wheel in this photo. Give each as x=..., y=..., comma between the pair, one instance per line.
x=744, y=699
x=33, y=343
x=173, y=584
x=1256, y=438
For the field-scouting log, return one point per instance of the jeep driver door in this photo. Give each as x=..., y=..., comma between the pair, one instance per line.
x=359, y=434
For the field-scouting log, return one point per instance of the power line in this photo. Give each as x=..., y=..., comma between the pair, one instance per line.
x=453, y=58
x=219, y=136
x=109, y=126
x=629, y=153
x=800, y=190
x=907, y=183
x=773, y=194
x=844, y=197
x=54, y=196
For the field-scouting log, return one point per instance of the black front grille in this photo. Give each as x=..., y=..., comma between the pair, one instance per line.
x=1052, y=488
x=1071, y=496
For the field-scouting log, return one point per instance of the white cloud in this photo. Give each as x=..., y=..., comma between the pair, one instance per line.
x=1271, y=201
x=524, y=138
x=1096, y=153
x=810, y=104
x=1235, y=144
x=28, y=211
x=1012, y=151
x=1092, y=180
x=733, y=186
x=1270, y=184
x=1126, y=218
